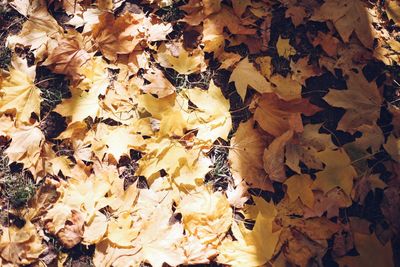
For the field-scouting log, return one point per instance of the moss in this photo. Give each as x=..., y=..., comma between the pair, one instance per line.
x=17, y=188
x=5, y=57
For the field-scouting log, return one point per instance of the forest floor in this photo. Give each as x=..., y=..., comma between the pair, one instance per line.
x=200, y=132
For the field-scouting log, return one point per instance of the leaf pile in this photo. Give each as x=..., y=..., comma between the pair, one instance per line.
x=237, y=133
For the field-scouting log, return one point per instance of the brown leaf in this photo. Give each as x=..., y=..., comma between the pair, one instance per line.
x=277, y=116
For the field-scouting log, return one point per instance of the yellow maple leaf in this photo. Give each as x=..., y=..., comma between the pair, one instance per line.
x=81, y=105
x=159, y=85
x=107, y=140
x=20, y=246
x=176, y=57
x=206, y=215
x=122, y=230
x=38, y=30
x=252, y=248
x=26, y=146
x=299, y=186
x=95, y=229
x=244, y=75
x=193, y=169
x=338, y=171
x=284, y=48
x=172, y=111
x=18, y=92
x=211, y=117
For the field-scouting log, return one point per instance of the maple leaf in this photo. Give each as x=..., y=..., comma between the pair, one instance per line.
x=117, y=36
x=81, y=105
x=366, y=184
x=157, y=32
x=107, y=140
x=330, y=203
x=20, y=246
x=245, y=156
x=302, y=70
x=252, y=248
x=244, y=75
x=67, y=55
x=121, y=230
x=285, y=87
x=206, y=215
x=328, y=42
x=392, y=146
x=38, y=30
x=72, y=7
x=297, y=14
x=85, y=96
x=72, y=232
x=18, y=92
x=239, y=6
x=213, y=29
x=170, y=110
x=26, y=146
x=305, y=146
x=95, y=229
x=299, y=186
x=165, y=155
x=274, y=157
x=158, y=85
x=176, y=57
x=338, y=171
x=158, y=240
x=284, y=48
x=393, y=10
x=361, y=100
x=193, y=169
x=366, y=246
x=348, y=16
x=276, y=116
x=211, y=117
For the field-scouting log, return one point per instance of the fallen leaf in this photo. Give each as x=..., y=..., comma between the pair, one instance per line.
x=274, y=157
x=338, y=171
x=299, y=186
x=245, y=156
x=284, y=48
x=244, y=75
x=348, y=17
x=276, y=116
x=20, y=246
x=18, y=92
x=366, y=246
x=361, y=100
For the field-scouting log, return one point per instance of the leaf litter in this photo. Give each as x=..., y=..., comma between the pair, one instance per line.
x=222, y=133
